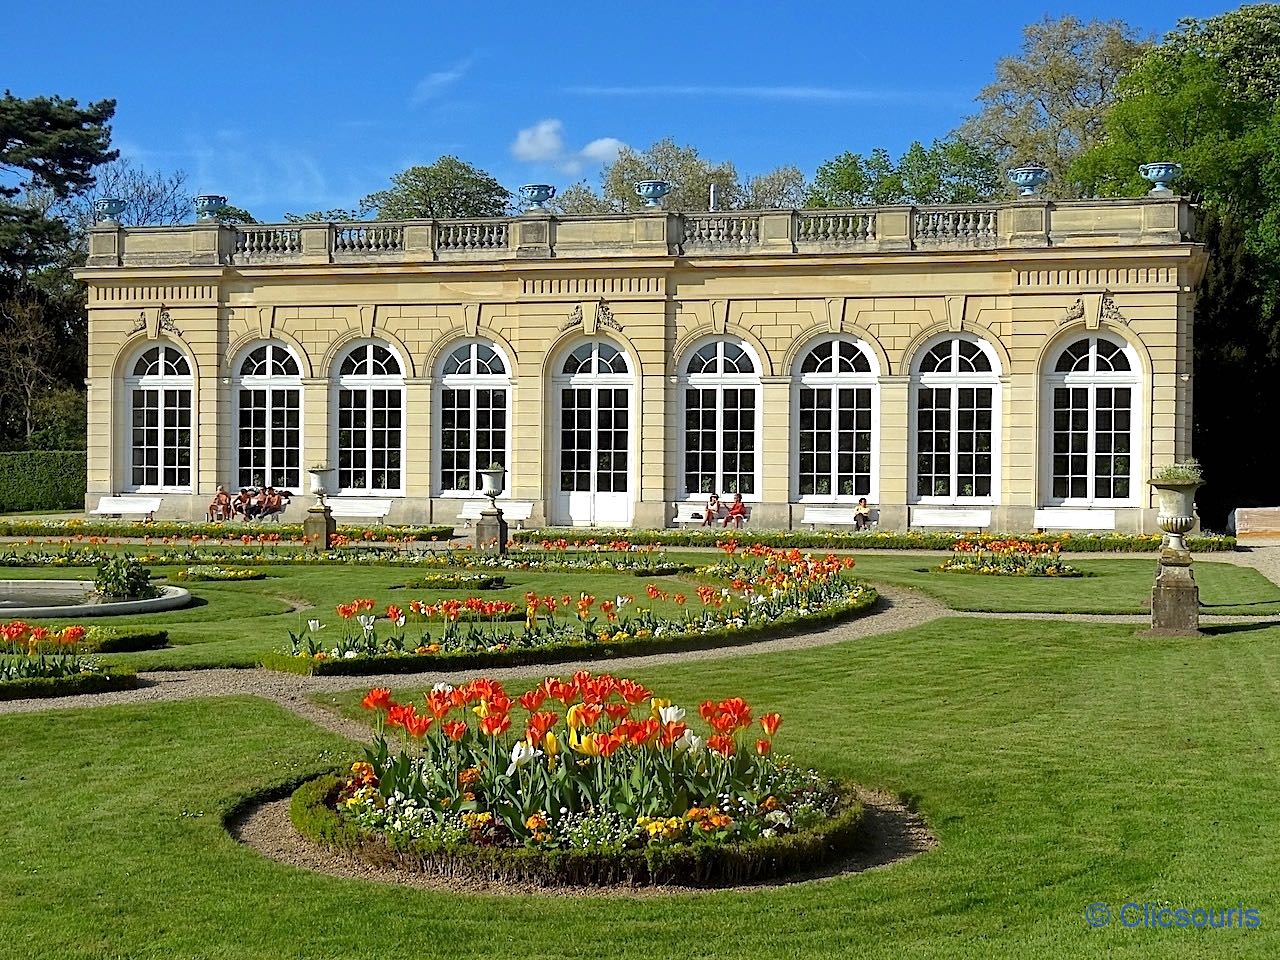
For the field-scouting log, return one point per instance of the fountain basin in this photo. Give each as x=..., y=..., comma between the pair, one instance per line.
x=73, y=599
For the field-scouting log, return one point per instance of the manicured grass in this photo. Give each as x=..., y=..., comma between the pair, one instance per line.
x=1113, y=586
x=1059, y=763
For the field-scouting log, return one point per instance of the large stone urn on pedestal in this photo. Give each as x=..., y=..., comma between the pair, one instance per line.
x=491, y=528
x=319, y=525
x=1175, y=598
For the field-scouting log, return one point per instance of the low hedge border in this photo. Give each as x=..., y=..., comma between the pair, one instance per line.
x=835, y=539
x=231, y=530
x=122, y=640
x=459, y=581
x=567, y=652
x=696, y=865
x=40, y=687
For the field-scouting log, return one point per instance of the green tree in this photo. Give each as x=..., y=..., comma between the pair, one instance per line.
x=946, y=171
x=689, y=173
x=49, y=145
x=1047, y=105
x=579, y=199
x=337, y=215
x=780, y=189
x=447, y=188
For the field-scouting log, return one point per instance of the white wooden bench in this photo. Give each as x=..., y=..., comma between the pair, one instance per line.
x=1074, y=518
x=951, y=518
x=359, y=509
x=127, y=507
x=517, y=511
x=835, y=516
x=685, y=514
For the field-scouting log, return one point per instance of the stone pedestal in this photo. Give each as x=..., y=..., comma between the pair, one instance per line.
x=1175, y=598
x=319, y=528
x=491, y=532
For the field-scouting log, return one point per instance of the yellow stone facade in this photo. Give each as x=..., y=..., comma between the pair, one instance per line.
x=1025, y=279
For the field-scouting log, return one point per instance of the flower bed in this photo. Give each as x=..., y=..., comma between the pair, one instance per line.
x=881, y=540
x=586, y=781
x=1008, y=558
x=43, y=662
x=457, y=581
x=183, y=529
x=774, y=592
x=212, y=572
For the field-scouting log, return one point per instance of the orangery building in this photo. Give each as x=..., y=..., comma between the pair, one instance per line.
x=1014, y=366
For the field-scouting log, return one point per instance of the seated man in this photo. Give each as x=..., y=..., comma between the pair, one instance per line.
x=264, y=502
x=861, y=515
x=737, y=512
x=244, y=504
x=220, y=507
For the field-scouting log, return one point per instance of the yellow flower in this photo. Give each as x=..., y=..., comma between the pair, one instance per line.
x=585, y=745
x=551, y=747
x=574, y=717
x=655, y=705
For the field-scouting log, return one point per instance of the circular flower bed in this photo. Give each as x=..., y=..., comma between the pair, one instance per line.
x=588, y=781
x=457, y=581
x=759, y=593
x=1008, y=558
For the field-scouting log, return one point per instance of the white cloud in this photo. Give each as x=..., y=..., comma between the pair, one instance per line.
x=543, y=143
x=434, y=84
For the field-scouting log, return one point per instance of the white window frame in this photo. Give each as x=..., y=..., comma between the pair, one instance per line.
x=471, y=382
x=267, y=382
x=1091, y=380
x=720, y=382
x=160, y=383
x=587, y=381
x=825, y=380
x=955, y=381
x=368, y=383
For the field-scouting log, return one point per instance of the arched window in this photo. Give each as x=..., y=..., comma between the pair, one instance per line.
x=594, y=384
x=269, y=418
x=1092, y=385
x=721, y=383
x=956, y=389
x=370, y=435
x=475, y=397
x=835, y=419
x=159, y=385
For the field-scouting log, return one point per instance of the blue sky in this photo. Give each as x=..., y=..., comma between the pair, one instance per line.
x=286, y=106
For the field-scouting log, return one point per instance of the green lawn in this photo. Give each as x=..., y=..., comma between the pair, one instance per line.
x=1059, y=764
x=1113, y=586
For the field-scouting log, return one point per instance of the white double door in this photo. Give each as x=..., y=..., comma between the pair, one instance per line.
x=595, y=455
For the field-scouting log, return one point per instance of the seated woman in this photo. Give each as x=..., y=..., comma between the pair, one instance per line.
x=737, y=512
x=861, y=515
x=220, y=507
x=712, y=511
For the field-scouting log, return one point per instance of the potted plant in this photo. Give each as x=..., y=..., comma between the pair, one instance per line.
x=1176, y=485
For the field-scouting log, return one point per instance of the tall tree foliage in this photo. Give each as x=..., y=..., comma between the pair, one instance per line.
x=1047, y=104
x=946, y=171
x=1206, y=98
x=447, y=188
x=46, y=144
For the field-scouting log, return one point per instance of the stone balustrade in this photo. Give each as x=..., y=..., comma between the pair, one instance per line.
x=648, y=233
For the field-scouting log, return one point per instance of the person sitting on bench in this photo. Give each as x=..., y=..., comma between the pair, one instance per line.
x=270, y=503
x=737, y=512
x=245, y=505
x=712, y=513
x=220, y=507
x=861, y=515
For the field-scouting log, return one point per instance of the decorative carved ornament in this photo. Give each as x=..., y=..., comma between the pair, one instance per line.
x=1073, y=313
x=575, y=318
x=1109, y=311
x=605, y=317
x=162, y=322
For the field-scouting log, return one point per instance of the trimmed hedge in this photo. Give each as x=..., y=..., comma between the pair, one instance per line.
x=182, y=529
x=313, y=815
x=42, y=480
x=36, y=687
x=568, y=652
x=122, y=640
x=454, y=581
x=911, y=540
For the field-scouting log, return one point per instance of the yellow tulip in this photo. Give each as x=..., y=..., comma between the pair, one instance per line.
x=584, y=745
x=655, y=705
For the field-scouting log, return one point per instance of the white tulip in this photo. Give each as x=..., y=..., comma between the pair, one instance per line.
x=670, y=714
x=521, y=754
x=314, y=625
x=442, y=688
x=367, y=621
